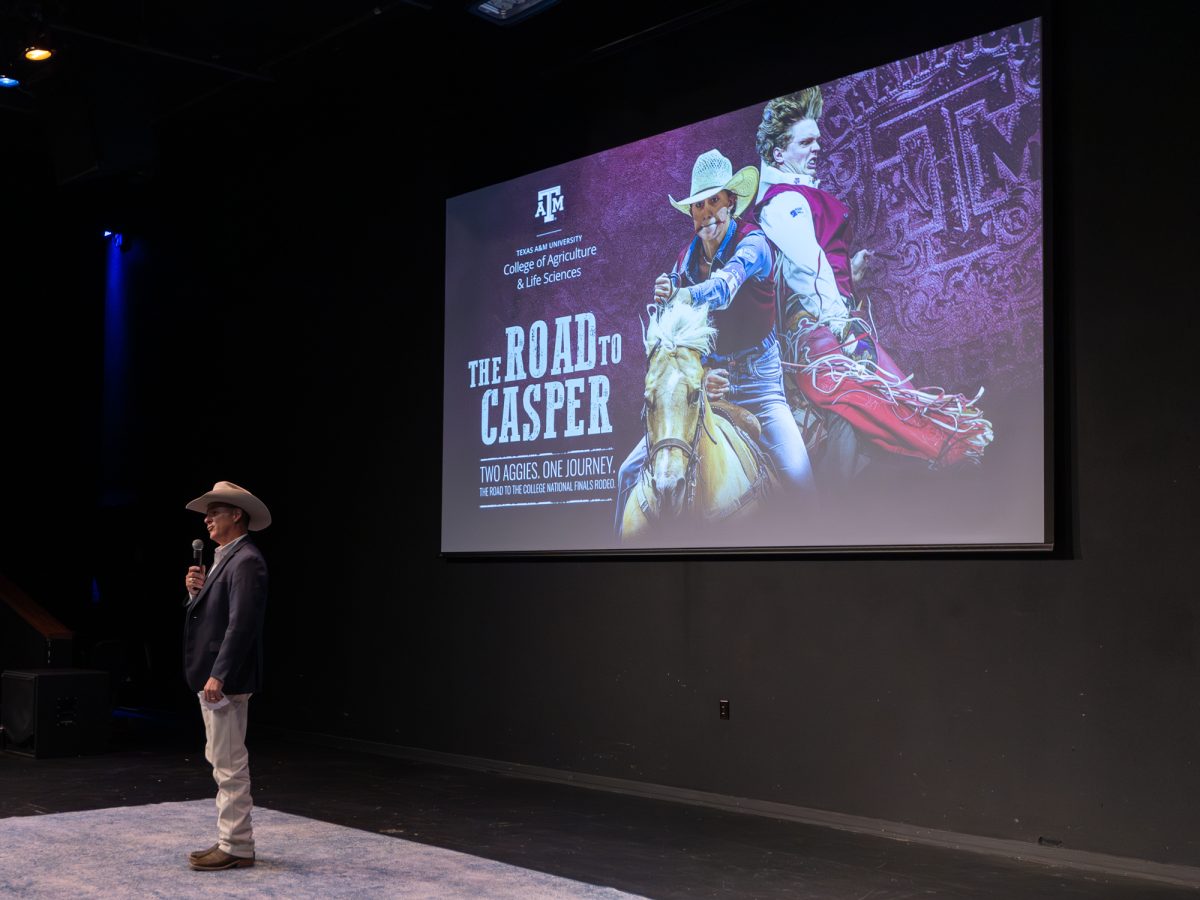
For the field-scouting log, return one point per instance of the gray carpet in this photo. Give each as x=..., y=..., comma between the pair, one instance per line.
x=139, y=851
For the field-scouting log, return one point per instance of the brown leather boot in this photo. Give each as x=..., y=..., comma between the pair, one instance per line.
x=219, y=859
x=196, y=854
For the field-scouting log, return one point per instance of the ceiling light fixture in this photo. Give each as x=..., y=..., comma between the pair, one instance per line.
x=8, y=82
x=506, y=12
x=38, y=54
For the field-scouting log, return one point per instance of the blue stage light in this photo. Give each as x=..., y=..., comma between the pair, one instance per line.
x=117, y=385
x=9, y=82
x=108, y=234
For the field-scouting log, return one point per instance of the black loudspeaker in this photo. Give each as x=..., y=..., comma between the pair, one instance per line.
x=55, y=712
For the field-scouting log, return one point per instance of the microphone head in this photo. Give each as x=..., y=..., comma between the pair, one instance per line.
x=197, y=545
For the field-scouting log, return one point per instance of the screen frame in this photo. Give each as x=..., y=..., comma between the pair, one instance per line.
x=1057, y=457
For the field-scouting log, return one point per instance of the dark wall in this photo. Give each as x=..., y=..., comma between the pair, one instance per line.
x=286, y=325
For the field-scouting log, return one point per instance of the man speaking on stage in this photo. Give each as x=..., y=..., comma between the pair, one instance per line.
x=222, y=659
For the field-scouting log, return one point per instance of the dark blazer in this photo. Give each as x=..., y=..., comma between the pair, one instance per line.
x=222, y=630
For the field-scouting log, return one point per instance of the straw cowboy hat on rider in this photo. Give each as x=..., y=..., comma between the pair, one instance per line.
x=713, y=173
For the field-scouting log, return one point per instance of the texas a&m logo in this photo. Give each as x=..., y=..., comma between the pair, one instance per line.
x=550, y=201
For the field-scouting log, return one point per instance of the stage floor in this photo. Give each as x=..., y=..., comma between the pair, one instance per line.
x=634, y=845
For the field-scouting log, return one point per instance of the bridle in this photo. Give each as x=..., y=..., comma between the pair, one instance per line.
x=690, y=451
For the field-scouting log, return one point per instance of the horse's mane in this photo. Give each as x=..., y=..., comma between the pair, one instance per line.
x=679, y=324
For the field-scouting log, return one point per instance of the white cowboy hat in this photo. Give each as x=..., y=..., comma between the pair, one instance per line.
x=713, y=172
x=228, y=492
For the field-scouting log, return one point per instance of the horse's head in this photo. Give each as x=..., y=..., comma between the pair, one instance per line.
x=673, y=409
x=675, y=339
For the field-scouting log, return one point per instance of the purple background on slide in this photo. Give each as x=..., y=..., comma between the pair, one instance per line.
x=939, y=158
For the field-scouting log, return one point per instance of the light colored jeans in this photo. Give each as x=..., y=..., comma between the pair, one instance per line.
x=225, y=749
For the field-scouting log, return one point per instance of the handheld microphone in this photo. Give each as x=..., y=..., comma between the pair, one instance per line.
x=198, y=552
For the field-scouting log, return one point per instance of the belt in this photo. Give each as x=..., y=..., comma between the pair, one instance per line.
x=741, y=356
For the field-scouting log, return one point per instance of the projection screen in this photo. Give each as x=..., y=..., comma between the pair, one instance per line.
x=812, y=323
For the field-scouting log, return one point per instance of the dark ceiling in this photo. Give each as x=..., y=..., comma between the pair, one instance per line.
x=132, y=83
x=182, y=56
